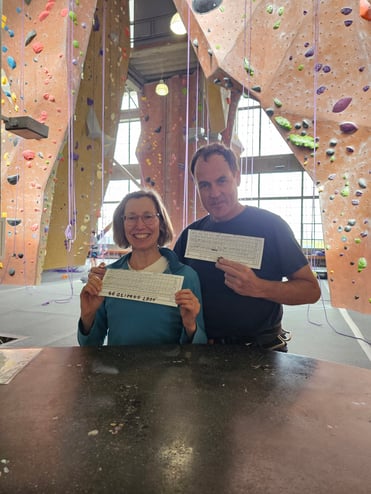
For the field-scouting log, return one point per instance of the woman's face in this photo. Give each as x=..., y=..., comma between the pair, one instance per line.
x=141, y=223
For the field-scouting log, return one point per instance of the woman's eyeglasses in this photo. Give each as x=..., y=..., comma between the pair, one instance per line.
x=148, y=219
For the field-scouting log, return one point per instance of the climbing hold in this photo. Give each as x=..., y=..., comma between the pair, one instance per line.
x=365, y=9
x=345, y=191
x=277, y=102
x=303, y=141
x=309, y=53
x=11, y=62
x=348, y=127
x=11, y=272
x=204, y=6
x=362, y=264
x=43, y=15
x=247, y=67
x=13, y=179
x=28, y=154
x=341, y=105
x=37, y=47
x=283, y=122
x=29, y=37
x=13, y=221
x=362, y=183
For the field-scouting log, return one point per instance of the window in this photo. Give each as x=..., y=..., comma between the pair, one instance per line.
x=126, y=142
x=291, y=195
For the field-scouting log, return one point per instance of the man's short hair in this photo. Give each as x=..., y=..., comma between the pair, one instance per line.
x=208, y=150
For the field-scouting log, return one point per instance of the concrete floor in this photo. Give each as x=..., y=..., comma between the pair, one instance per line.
x=46, y=315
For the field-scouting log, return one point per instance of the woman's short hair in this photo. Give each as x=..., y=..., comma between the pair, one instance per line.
x=166, y=227
x=208, y=150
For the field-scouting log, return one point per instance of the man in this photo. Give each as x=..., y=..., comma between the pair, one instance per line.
x=244, y=305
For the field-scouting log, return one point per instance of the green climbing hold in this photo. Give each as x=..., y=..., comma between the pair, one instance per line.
x=303, y=141
x=283, y=122
x=345, y=191
x=362, y=264
x=277, y=102
x=247, y=66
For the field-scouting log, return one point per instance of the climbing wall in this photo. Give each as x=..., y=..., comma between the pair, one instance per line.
x=166, y=137
x=309, y=65
x=53, y=57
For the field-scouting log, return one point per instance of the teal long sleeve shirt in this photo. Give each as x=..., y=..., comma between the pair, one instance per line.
x=129, y=322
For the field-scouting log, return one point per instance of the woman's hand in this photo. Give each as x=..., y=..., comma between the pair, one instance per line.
x=189, y=306
x=90, y=300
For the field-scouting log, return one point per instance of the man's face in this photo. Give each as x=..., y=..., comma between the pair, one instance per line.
x=217, y=187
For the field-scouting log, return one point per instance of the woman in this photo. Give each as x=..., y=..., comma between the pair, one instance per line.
x=141, y=221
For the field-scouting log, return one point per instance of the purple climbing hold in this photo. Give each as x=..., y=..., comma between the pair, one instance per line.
x=346, y=10
x=348, y=127
x=341, y=105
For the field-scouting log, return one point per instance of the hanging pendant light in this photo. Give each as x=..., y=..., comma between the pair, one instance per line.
x=176, y=25
x=162, y=89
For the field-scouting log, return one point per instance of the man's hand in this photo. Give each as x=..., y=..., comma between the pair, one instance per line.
x=301, y=287
x=240, y=278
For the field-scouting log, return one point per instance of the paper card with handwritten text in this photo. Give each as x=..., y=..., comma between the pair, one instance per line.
x=155, y=288
x=208, y=246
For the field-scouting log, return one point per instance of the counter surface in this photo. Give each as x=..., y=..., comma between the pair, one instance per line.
x=195, y=419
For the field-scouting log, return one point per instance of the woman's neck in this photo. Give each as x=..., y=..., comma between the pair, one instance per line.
x=140, y=259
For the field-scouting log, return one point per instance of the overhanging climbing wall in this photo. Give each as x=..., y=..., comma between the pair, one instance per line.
x=52, y=63
x=309, y=65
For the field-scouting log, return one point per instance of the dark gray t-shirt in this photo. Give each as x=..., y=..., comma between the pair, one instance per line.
x=225, y=312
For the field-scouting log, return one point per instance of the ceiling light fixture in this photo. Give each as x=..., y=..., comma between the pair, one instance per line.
x=176, y=25
x=162, y=89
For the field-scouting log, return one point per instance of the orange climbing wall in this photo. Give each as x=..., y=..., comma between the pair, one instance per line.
x=51, y=189
x=161, y=150
x=309, y=65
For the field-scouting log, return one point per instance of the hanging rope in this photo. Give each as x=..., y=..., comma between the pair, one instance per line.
x=70, y=231
x=186, y=174
x=315, y=103
x=245, y=168
x=104, y=22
